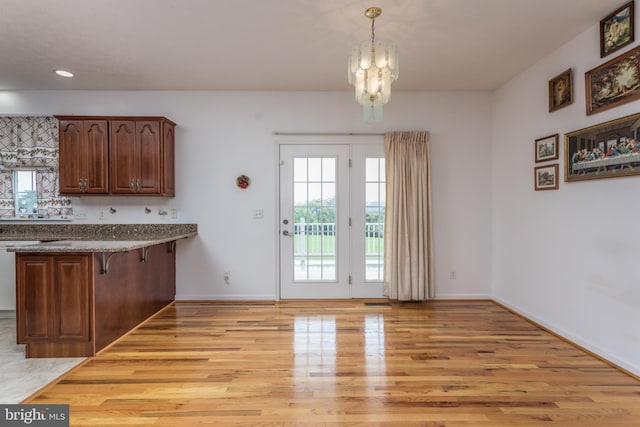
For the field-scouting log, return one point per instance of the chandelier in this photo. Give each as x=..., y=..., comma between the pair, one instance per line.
x=373, y=66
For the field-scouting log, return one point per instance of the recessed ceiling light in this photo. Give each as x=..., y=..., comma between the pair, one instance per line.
x=64, y=73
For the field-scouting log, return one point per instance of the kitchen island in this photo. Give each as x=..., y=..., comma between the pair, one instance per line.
x=80, y=288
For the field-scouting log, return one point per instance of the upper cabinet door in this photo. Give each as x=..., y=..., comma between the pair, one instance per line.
x=71, y=151
x=83, y=148
x=168, y=141
x=124, y=157
x=149, y=141
x=136, y=157
x=97, y=156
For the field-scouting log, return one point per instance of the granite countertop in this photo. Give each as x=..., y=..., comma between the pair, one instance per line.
x=93, y=237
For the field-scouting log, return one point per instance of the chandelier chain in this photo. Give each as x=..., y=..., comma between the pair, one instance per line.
x=373, y=30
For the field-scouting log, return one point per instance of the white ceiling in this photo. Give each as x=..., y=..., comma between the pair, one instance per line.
x=278, y=44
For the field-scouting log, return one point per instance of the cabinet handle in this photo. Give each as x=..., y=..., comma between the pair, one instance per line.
x=80, y=186
x=138, y=185
x=132, y=185
x=86, y=184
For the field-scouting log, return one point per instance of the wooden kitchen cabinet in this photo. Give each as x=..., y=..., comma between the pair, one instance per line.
x=68, y=306
x=84, y=156
x=138, y=164
x=54, y=294
x=117, y=156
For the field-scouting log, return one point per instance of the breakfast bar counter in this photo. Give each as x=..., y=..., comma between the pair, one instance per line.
x=81, y=288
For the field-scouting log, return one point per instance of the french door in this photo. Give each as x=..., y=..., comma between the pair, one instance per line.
x=331, y=221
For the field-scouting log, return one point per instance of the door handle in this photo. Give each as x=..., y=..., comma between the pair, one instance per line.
x=286, y=233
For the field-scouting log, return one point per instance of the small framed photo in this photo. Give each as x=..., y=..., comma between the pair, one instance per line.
x=561, y=91
x=617, y=30
x=546, y=148
x=613, y=83
x=546, y=177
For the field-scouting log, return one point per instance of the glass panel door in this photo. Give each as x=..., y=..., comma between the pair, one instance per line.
x=314, y=221
x=367, y=211
x=331, y=221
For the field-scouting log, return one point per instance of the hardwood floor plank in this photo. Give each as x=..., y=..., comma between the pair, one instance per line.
x=445, y=364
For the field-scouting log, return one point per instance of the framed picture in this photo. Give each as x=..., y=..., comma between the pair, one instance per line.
x=561, y=91
x=546, y=177
x=547, y=148
x=605, y=150
x=613, y=83
x=617, y=30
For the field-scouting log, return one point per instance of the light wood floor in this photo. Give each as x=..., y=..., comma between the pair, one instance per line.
x=328, y=363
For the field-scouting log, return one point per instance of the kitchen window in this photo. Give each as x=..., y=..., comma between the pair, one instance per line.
x=29, y=186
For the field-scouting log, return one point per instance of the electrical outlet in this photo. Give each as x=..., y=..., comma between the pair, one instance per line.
x=227, y=277
x=101, y=215
x=174, y=213
x=80, y=214
x=453, y=275
x=258, y=214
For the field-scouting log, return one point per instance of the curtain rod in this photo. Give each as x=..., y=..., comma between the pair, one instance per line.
x=328, y=133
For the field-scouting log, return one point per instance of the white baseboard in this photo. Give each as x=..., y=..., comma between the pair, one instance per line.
x=225, y=297
x=575, y=339
x=7, y=314
x=461, y=296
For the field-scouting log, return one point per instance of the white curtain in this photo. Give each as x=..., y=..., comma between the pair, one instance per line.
x=408, y=247
x=31, y=143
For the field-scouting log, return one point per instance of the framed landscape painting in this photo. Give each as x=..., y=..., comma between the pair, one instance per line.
x=605, y=150
x=617, y=30
x=546, y=148
x=546, y=177
x=613, y=83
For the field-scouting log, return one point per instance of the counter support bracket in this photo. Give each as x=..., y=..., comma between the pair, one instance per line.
x=105, y=261
x=172, y=246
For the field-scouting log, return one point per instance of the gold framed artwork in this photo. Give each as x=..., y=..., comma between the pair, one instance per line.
x=546, y=148
x=613, y=83
x=605, y=150
x=546, y=177
x=561, y=91
x=617, y=29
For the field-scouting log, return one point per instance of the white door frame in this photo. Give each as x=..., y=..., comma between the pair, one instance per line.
x=311, y=139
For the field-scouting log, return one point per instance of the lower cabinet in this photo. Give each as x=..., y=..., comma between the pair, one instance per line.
x=67, y=307
x=54, y=296
x=54, y=299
